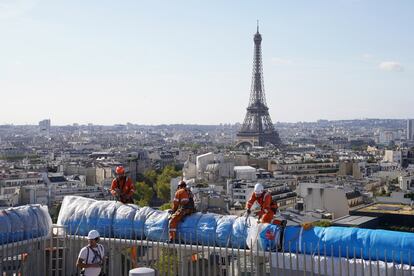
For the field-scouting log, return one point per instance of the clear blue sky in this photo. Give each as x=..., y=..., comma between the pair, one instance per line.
x=152, y=62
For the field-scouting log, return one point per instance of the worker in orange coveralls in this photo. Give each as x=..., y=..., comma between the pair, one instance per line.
x=183, y=205
x=122, y=187
x=268, y=207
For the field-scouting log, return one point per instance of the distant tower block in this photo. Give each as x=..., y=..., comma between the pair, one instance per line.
x=257, y=129
x=44, y=127
x=410, y=130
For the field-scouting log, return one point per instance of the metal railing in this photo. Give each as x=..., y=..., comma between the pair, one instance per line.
x=57, y=255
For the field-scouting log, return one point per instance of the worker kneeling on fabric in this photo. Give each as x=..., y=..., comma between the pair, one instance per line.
x=268, y=207
x=122, y=187
x=183, y=205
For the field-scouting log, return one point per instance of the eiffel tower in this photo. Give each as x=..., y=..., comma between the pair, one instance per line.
x=257, y=129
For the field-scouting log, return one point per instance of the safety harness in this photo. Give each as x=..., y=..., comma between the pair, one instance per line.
x=121, y=196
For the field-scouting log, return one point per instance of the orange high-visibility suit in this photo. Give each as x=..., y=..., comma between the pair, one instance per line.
x=268, y=207
x=181, y=208
x=123, y=189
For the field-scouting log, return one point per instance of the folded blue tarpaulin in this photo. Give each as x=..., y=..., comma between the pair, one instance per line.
x=114, y=219
x=24, y=222
x=387, y=246
x=140, y=218
x=224, y=230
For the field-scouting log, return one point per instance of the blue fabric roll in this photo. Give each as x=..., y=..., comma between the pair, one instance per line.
x=156, y=226
x=17, y=226
x=42, y=219
x=343, y=241
x=99, y=216
x=73, y=215
x=239, y=233
x=5, y=227
x=206, y=229
x=224, y=230
x=303, y=240
x=269, y=237
x=231, y=231
x=187, y=228
x=29, y=219
x=123, y=221
x=139, y=221
x=24, y=222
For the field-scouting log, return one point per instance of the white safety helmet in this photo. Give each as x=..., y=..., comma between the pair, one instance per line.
x=258, y=189
x=93, y=234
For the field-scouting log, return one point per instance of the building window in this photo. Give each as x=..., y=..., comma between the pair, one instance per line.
x=8, y=191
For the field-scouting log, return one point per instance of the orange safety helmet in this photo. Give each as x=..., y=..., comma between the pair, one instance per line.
x=120, y=170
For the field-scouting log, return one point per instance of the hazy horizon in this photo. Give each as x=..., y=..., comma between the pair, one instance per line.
x=218, y=124
x=190, y=62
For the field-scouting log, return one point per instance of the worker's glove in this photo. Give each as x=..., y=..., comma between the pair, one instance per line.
x=248, y=211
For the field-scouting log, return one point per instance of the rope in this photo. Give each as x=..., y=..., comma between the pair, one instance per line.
x=299, y=238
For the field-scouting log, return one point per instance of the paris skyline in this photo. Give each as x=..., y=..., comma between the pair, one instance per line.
x=191, y=62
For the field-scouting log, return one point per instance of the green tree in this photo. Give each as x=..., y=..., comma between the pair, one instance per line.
x=165, y=206
x=143, y=194
x=322, y=223
x=54, y=212
x=167, y=173
x=150, y=177
x=164, y=191
x=162, y=186
x=167, y=262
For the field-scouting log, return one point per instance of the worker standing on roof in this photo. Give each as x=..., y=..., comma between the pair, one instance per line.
x=91, y=257
x=268, y=207
x=183, y=205
x=122, y=187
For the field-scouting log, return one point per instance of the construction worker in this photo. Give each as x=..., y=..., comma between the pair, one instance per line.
x=122, y=187
x=268, y=207
x=183, y=205
x=91, y=257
